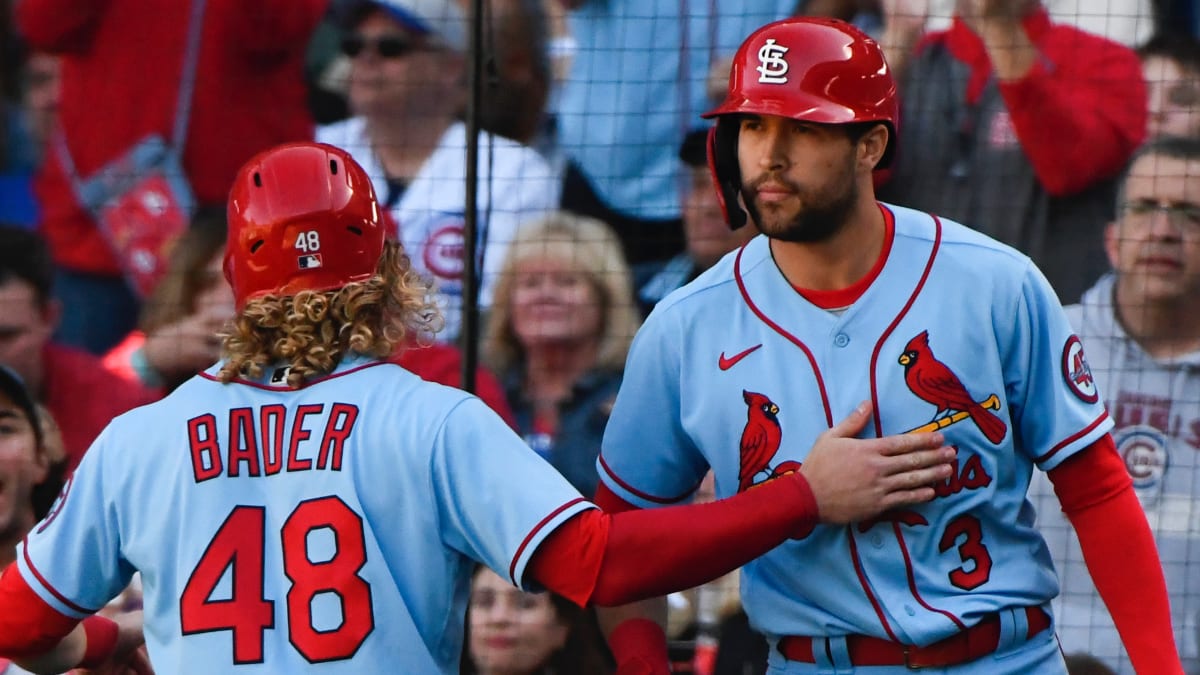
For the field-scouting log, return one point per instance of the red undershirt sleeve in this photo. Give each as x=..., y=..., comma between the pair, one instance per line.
x=1097, y=497
x=28, y=626
x=600, y=558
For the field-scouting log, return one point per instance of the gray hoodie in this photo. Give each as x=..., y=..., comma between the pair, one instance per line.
x=1156, y=407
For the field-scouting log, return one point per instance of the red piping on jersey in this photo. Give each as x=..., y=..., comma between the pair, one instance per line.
x=908, y=570
x=862, y=581
x=937, y=244
x=46, y=584
x=512, y=567
x=1073, y=437
x=912, y=581
x=642, y=495
x=307, y=384
x=737, y=275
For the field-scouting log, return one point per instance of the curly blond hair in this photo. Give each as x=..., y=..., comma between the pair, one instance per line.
x=312, y=330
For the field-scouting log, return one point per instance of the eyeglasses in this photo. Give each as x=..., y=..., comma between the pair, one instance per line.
x=1184, y=215
x=387, y=46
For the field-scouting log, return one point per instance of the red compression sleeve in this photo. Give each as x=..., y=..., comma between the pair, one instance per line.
x=1098, y=498
x=28, y=626
x=692, y=544
x=102, y=634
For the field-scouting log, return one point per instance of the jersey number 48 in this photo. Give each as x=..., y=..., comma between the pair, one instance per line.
x=240, y=543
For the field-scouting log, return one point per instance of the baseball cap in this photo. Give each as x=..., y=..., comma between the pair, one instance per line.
x=442, y=20
x=14, y=387
x=694, y=150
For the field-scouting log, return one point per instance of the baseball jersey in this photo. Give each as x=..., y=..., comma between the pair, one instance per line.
x=738, y=372
x=1155, y=405
x=329, y=529
x=515, y=182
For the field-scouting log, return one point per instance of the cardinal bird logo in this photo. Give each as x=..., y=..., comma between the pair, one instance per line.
x=760, y=438
x=935, y=383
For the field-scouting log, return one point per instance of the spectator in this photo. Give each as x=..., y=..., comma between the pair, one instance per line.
x=517, y=76
x=1171, y=65
x=514, y=632
x=122, y=62
x=1018, y=126
x=71, y=383
x=706, y=233
x=1141, y=327
x=177, y=336
x=31, y=463
x=407, y=92
x=636, y=85
x=558, y=334
x=31, y=469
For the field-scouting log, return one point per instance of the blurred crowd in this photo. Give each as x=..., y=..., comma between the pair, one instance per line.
x=1067, y=129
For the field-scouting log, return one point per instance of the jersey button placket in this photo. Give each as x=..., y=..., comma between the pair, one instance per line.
x=841, y=340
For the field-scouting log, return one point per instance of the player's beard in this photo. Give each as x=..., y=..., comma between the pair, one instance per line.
x=821, y=215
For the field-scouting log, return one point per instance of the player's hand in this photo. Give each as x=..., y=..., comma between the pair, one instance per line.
x=854, y=479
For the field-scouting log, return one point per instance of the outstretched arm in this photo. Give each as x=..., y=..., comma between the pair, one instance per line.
x=597, y=558
x=1097, y=497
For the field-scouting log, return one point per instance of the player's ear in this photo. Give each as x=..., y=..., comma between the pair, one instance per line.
x=871, y=146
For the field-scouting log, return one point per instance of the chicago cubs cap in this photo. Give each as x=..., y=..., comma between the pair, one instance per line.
x=14, y=387
x=442, y=20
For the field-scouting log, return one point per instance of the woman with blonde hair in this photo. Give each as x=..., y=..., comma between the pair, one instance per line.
x=562, y=319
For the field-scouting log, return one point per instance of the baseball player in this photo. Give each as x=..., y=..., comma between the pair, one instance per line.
x=844, y=298
x=306, y=506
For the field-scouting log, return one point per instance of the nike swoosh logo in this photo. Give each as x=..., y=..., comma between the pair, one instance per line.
x=727, y=363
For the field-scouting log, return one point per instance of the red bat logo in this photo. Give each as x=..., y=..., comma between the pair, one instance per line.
x=933, y=382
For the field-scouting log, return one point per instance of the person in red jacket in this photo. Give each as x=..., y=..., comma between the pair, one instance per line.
x=1016, y=125
x=79, y=393
x=122, y=62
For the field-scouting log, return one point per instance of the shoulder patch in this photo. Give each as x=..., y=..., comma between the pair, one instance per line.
x=1077, y=372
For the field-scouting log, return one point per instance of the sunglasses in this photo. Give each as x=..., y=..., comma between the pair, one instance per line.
x=387, y=47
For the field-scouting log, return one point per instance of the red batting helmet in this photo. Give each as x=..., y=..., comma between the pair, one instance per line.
x=807, y=68
x=302, y=217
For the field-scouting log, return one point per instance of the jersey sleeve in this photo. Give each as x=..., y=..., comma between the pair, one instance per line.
x=1054, y=397
x=647, y=457
x=72, y=559
x=497, y=499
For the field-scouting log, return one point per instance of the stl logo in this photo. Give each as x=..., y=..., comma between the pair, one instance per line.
x=772, y=68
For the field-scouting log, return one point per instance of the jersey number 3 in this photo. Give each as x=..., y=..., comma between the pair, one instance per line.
x=240, y=543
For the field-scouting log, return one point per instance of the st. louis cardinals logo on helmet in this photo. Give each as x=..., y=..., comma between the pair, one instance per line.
x=933, y=382
x=760, y=441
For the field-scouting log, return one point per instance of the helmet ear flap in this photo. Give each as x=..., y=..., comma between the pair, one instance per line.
x=726, y=174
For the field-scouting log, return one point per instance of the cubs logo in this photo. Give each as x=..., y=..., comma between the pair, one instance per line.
x=760, y=441
x=444, y=250
x=772, y=68
x=933, y=382
x=1077, y=372
x=1144, y=450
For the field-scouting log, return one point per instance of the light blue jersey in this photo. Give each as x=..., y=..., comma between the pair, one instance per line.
x=739, y=372
x=276, y=529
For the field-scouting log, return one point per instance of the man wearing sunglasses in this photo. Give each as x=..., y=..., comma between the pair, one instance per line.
x=1141, y=328
x=407, y=94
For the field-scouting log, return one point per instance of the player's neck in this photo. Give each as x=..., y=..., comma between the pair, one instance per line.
x=839, y=261
x=552, y=370
x=1162, y=329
